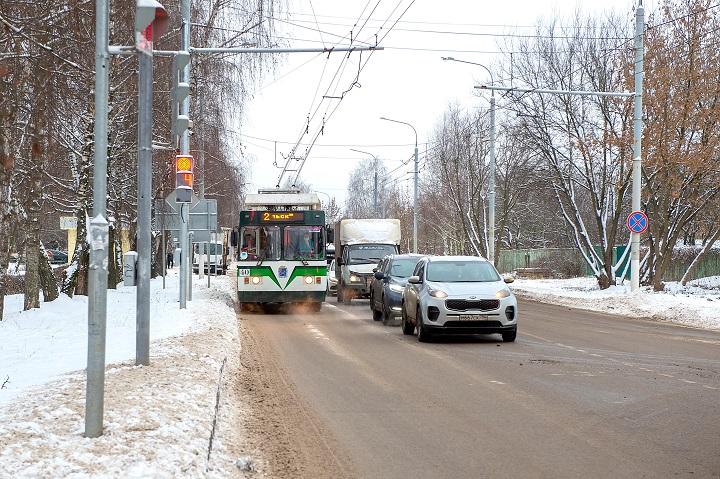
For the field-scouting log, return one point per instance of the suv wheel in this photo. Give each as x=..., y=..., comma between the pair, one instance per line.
x=407, y=327
x=423, y=335
x=509, y=337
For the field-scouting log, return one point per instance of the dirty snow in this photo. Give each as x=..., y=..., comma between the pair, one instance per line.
x=158, y=419
x=695, y=305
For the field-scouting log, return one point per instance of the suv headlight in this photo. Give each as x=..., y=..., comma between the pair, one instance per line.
x=396, y=287
x=503, y=293
x=354, y=278
x=436, y=293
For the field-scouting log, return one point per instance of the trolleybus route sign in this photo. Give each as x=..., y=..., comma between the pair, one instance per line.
x=637, y=222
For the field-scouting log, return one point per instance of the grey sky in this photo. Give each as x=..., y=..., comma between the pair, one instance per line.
x=415, y=86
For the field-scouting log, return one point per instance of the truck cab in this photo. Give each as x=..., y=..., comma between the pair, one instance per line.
x=360, y=244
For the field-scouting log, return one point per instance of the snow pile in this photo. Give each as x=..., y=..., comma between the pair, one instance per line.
x=696, y=305
x=158, y=419
x=40, y=344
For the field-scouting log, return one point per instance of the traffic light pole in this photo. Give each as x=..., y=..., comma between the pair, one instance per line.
x=185, y=149
x=142, y=318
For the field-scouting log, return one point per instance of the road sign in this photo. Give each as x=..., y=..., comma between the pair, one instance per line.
x=68, y=222
x=203, y=214
x=637, y=222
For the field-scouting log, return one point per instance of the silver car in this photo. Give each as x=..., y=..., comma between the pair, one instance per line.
x=458, y=295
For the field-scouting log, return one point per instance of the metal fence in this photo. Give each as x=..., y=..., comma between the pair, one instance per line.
x=569, y=262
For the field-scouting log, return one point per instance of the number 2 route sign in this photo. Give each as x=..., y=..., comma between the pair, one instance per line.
x=637, y=222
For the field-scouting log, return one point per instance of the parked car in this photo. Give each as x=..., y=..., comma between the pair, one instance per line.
x=389, y=281
x=458, y=295
x=331, y=280
x=56, y=256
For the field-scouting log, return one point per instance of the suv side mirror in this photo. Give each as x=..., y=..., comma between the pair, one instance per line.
x=414, y=280
x=379, y=275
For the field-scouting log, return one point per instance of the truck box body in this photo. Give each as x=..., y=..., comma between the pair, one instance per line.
x=360, y=244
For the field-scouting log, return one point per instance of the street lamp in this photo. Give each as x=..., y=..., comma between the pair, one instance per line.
x=491, y=175
x=375, y=191
x=415, y=194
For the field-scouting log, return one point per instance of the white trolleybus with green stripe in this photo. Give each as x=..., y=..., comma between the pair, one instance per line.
x=281, y=256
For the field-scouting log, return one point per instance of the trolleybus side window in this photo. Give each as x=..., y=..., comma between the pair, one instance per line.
x=303, y=242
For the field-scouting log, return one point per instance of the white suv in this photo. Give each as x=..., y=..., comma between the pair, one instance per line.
x=458, y=295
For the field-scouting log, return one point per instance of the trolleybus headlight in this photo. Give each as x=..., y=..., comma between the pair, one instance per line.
x=256, y=280
x=309, y=280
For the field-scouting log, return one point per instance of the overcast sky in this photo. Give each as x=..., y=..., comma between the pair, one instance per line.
x=407, y=81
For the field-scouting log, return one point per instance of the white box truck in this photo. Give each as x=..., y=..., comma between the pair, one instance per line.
x=360, y=244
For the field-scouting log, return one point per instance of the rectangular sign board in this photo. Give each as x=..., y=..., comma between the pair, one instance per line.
x=68, y=222
x=203, y=216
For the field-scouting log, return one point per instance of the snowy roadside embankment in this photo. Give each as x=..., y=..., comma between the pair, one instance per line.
x=158, y=419
x=696, y=305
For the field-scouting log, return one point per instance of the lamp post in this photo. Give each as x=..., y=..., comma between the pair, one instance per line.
x=375, y=188
x=415, y=193
x=491, y=174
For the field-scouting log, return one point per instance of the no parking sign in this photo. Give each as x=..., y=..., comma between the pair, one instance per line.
x=637, y=222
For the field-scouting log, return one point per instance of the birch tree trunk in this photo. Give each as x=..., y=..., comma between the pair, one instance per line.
x=48, y=283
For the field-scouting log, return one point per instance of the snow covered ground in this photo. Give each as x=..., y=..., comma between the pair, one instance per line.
x=158, y=419
x=696, y=305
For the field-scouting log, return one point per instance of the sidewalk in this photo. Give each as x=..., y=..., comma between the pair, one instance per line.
x=158, y=419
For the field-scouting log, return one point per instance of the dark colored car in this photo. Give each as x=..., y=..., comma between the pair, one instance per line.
x=57, y=257
x=388, y=284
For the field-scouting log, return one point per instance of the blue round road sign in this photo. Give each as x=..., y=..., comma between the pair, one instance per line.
x=637, y=222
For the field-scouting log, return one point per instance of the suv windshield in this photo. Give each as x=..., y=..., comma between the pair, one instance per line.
x=369, y=253
x=403, y=268
x=461, y=272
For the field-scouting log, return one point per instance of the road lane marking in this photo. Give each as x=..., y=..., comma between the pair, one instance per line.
x=666, y=375
x=710, y=387
x=497, y=382
x=687, y=381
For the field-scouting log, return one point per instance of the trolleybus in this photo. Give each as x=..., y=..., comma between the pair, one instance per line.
x=281, y=256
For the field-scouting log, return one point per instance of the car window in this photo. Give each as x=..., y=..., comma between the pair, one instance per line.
x=462, y=271
x=403, y=268
x=418, y=269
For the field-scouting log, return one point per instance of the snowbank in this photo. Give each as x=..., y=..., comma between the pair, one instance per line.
x=158, y=419
x=696, y=305
x=40, y=344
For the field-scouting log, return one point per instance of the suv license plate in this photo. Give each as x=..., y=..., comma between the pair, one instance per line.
x=473, y=317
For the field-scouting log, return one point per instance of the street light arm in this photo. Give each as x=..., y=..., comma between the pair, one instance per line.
x=364, y=152
x=404, y=123
x=492, y=79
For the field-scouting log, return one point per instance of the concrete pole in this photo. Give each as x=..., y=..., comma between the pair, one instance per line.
x=201, y=260
x=375, y=191
x=415, y=199
x=182, y=272
x=491, y=184
x=190, y=272
x=185, y=254
x=637, y=144
x=207, y=253
x=97, y=281
x=142, y=318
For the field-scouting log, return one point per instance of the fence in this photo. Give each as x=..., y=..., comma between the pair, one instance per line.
x=569, y=262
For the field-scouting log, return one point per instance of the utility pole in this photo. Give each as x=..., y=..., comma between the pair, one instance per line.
x=491, y=182
x=97, y=281
x=637, y=143
x=375, y=188
x=142, y=318
x=493, y=162
x=415, y=187
x=185, y=150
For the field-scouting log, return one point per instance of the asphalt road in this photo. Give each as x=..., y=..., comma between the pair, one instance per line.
x=579, y=394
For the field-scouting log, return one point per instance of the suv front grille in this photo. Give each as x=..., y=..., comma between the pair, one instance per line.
x=474, y=304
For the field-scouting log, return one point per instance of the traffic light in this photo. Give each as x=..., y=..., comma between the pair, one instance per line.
x=184, y=178
x=179, y=91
